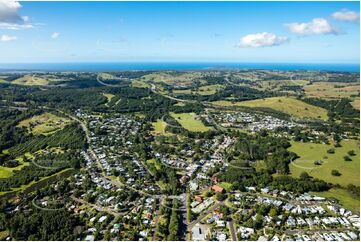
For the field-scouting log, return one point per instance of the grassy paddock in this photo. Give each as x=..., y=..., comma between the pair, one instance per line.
x=30, y=80
x=310, y=152
x=332, y=90
x=189, y=122
x=6, y=172
x=288, y=105
x=356, y=104
x=159, y=128
x=45, y=124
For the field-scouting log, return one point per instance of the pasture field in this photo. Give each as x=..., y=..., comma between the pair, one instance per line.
x=31, y=80
x=6, y=172
x=209, y=89
x=189, y=122
x=203, y=90
x=140, y=84
x=109, y=97
x=310, y=152
x=159, y=128
x=356, y=104
x=347, y=200
x=173, y=78
x=332, y=90
x=288, y=105
x=107, y=76
x=184, y=91
x=45, y=124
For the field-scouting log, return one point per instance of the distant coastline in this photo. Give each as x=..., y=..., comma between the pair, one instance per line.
x=179, y=66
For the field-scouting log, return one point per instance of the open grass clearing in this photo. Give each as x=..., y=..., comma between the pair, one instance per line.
x=6, y=172
x=346, y=199
x=289, y=105
x=159, y=128
x=332, y=90
x=31, y=80
x=356, y=104
x=109, y=97
x=45, y=124
x=310, y=152
x=190, y=122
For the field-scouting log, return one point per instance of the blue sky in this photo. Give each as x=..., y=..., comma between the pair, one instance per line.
x=303, y=32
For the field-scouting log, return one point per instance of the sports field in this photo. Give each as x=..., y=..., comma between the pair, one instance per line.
x=288, y=105
x=189, y=122
x=310, y=152
x=45, y=124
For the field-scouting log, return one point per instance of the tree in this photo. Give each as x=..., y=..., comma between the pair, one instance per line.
x=331, y=151
x=304, y=176
x=221, y=196
x=347, y=158
x=335, y=173
x=351, y=153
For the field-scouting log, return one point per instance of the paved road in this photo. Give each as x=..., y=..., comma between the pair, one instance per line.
x=153, y=89
x=156, y=220
x=204, y=214
x=106, y=84
x=232, y=230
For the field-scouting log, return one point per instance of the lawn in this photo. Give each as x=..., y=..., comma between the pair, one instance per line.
x=310, y=152
x=189, y=122
x=31, y=80
x=288, y=105
x=347, y=200
x=45, y=124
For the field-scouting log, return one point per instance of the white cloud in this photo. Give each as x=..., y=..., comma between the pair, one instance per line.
x=345, y=15
x=262, y=40
x=316, y=26
x=55, y=35
x=7, y=38
x=10, y=18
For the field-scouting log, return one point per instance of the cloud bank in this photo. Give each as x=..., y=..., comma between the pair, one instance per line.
x=7, y=38
x=316, y=27
x=264, y=39
x=345, y=15
x=10, y=18
x=55, y=35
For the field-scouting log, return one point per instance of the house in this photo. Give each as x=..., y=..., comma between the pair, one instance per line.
x=217, y=188
x=198, y=198
x=215, y=179
x=199, y=232
x=89, y=238
x=102, y=219
x=221, y=223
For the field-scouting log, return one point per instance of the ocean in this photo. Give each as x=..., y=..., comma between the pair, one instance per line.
x=180, y=66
